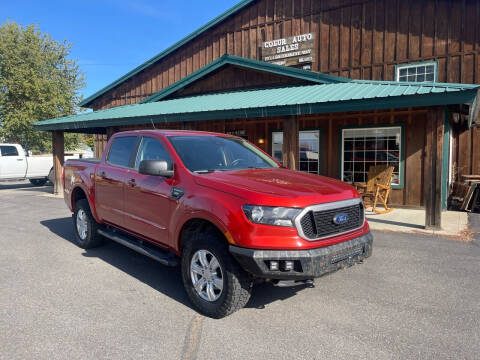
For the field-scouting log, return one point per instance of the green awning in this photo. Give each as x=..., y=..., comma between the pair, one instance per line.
x=354, y=95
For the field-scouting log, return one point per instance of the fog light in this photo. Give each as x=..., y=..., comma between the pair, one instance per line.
x=288, y=265
x=274, y=265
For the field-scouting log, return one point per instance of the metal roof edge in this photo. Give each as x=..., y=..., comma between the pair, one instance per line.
x=401, y=101
x=227, y=59
x=168, y=50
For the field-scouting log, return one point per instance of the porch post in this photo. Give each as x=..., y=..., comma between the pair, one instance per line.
x=110, y=131
x=98, y=141
x=432, y=170
x=290, y=142
x=58, y=158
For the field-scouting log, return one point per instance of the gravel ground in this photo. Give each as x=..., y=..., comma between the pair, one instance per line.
x=416, y=297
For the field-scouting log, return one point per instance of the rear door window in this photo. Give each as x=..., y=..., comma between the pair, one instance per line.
x=9, y=150
x=121, y=151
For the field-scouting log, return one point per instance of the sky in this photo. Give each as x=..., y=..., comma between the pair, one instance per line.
x=111, y=37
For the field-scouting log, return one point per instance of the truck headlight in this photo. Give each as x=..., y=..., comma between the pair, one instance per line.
x=271, y=215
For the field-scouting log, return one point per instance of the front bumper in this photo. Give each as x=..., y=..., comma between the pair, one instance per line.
x=308, y=264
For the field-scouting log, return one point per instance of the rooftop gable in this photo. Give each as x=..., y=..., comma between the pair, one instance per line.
x=226, y=59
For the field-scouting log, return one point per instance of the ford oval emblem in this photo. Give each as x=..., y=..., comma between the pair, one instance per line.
x=340, y=219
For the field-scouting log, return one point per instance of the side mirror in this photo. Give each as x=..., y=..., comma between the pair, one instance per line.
x=155, y=168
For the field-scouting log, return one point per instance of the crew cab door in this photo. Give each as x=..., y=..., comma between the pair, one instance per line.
x=13, y=164
x=110, y=180
x=147, y=198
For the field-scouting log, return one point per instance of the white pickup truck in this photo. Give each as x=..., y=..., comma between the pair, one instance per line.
x=15, y=164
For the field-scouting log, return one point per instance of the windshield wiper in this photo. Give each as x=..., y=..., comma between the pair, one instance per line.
x=206, y=171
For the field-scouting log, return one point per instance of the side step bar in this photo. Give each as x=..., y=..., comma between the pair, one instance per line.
x=162, y=257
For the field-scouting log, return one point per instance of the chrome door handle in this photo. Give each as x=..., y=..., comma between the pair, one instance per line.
x=19, y=159
x=132, y=182
x=102, y=174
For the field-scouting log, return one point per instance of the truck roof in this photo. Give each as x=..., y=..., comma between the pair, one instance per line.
x=174, y=133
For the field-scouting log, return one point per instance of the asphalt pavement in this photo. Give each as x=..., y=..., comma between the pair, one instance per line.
x=417, y=297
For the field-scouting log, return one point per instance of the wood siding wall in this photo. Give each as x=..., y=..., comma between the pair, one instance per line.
x=355, y=38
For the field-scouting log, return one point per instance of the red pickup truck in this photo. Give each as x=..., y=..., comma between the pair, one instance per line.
x=224, y=210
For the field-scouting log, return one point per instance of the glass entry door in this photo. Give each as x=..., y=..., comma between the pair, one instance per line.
x=308, y=152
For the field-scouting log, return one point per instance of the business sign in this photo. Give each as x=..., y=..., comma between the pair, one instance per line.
x=290, y=51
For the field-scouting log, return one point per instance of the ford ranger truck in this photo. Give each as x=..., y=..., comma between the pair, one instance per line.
x=219, y=207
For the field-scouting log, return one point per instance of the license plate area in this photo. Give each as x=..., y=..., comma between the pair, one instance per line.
x=348, y=254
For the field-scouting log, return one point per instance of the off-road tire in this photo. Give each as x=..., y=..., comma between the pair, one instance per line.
x=38, y=182
x=93, y=239
x=237, y=285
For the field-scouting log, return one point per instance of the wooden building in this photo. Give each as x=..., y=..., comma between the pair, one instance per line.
x=430, y=133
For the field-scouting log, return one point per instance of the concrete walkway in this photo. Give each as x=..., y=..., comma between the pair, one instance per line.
x=454, y=223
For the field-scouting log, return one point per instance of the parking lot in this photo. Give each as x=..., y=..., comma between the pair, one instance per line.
x=416, y=297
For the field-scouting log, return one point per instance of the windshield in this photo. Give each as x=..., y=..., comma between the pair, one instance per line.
x=204, y=154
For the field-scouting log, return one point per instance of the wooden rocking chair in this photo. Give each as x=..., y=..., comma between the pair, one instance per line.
x=377, y=187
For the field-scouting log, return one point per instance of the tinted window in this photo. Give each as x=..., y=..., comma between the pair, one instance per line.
x=121, y=150
x=217, y=153
x=9, y=151
x=152, y=149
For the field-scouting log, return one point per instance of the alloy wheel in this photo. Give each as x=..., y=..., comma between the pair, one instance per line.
x=207, y=276
x=82, y=224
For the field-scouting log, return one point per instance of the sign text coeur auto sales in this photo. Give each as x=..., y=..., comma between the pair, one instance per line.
x=290, y=51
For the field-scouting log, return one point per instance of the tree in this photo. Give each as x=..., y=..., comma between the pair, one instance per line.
x=38, y=81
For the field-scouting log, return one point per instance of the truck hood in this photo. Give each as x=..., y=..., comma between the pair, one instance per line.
x=278, y=187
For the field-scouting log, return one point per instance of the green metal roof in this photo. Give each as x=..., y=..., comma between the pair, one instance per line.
x=169, y=50
x=298, y=100
x=227, y=59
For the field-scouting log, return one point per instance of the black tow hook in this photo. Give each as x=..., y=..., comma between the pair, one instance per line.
x=288, y=283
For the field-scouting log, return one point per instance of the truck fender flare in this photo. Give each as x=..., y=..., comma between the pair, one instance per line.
x=200, y=215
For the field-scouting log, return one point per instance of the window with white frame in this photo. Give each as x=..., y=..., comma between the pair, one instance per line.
x=419, y=72
x=366, y=147
x=308, y=152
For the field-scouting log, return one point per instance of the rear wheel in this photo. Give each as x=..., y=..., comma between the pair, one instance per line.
x=214, y=282
x=38, y=182
x=85, y=227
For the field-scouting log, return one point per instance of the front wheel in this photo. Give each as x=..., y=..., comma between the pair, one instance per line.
x=38, y=182
x=214, y=282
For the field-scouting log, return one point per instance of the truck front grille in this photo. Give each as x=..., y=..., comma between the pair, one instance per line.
x=316, y=224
